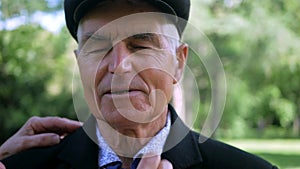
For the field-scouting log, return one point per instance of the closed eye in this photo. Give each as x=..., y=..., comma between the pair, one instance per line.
x=140, y=47
x=100, y=50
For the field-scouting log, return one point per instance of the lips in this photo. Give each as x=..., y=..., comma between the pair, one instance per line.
x=121, y=92
x=121, y=85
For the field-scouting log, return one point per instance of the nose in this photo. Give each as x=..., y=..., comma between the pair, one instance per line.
x=119, y=62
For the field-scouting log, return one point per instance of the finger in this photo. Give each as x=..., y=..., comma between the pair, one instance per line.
x=53, y=124
x=165, y=164
x=150, y=162
x=2, y=166
x=40, y=140
x=17, y=144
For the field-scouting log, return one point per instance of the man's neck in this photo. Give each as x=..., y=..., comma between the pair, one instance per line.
x=127, y=142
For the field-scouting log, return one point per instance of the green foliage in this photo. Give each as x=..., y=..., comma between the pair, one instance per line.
x=282, y=160
x=258, y=43
x=284, y=153
x=13, y=8
x=32, y=61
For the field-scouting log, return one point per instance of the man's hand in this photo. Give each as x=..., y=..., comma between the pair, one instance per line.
x=154, y=162
x=38, y=132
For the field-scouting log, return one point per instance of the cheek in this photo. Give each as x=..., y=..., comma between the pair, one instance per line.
x=166, y=89
x=91, y=73
x=161, y=88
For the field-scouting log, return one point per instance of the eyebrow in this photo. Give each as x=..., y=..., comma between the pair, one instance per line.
x=90, y=35
x=144, y=36
x=150, y=37
x=93, y=36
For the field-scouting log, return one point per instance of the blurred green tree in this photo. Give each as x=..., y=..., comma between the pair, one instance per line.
x=258, y=43
x=35, y=70
x=35, y=75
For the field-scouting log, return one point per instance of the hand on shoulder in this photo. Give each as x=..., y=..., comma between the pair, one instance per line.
x=38, y=132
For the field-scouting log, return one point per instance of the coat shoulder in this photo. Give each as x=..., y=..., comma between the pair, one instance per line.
x=74, y=150
x=218, y=155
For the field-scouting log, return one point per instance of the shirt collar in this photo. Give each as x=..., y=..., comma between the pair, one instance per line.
x=155, y=145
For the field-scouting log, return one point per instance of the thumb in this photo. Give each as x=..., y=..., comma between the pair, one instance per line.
x=2, y=166
x=165, y=164
x=149, y=162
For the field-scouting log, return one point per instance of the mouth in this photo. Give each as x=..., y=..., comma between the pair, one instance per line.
x=121, y=92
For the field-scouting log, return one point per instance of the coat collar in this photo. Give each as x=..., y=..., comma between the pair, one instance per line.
x=181, y=148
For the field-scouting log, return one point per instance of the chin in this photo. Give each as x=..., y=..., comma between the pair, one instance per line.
x=128, y=115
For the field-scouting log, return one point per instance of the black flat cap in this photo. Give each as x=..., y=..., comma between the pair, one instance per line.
x=76, y=9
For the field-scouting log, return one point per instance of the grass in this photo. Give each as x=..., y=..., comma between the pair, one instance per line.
x=283, y=161
x=284, y=153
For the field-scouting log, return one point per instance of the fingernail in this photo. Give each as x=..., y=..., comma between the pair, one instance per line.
x=56, y=138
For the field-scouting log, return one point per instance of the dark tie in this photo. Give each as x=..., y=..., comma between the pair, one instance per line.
x=118, y=165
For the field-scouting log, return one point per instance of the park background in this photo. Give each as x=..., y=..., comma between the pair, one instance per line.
x=257, y=41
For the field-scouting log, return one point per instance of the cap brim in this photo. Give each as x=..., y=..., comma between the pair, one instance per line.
x=81, y=8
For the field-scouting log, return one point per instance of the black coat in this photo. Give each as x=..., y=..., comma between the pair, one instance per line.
x=182, y=149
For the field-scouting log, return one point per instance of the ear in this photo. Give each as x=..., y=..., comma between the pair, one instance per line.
x=181, y=55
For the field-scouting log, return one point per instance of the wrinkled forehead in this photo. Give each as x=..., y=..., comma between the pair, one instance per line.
x=119, y=19
x=128, y=26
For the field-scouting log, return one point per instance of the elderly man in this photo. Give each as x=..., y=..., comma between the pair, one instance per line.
x=129, y=58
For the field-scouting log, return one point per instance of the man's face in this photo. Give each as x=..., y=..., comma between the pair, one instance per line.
x=127, y=66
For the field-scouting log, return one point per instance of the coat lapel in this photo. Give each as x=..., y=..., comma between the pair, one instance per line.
x=181, y=148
